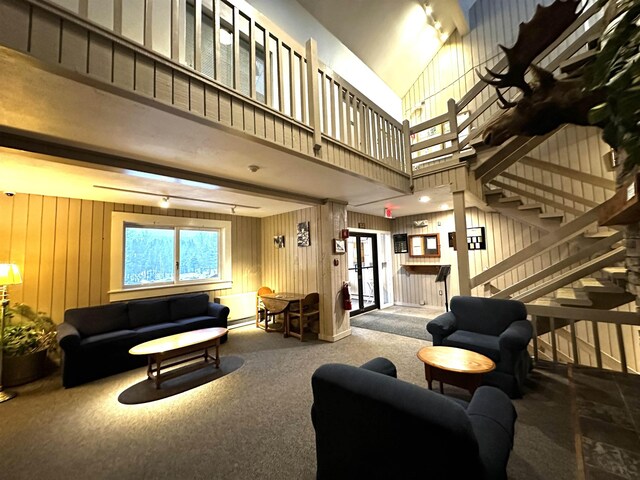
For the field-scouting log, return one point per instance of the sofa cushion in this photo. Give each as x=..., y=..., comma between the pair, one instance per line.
x=195, y=323
x=187, y=306
x=150, y=332
x=148, y=312
x=100, y=319
x=487, y=345
x=118, y=339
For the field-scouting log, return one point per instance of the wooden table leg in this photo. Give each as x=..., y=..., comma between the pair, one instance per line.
x=157, y=379
x=441, y=387
x=427, y=376
x=218, y=353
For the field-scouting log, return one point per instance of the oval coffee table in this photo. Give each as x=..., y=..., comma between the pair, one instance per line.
x=177, y=345
x=455, y=366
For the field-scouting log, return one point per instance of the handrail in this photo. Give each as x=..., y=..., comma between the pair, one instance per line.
x=284, y=86
x=564, y=233
x=560, y=265
x=571, y=315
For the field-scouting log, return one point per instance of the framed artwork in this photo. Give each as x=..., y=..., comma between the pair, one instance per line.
x=278, y=241
x=304, y=239
x=339, y=246
x=426, y=245
x=452, y=240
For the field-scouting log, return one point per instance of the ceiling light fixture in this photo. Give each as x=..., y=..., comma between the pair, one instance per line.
x=443, y=37
x=424, y=199
x=164, y=203
x=253, y=168
x=233, y=210
x=444, y=206
x=428, y=9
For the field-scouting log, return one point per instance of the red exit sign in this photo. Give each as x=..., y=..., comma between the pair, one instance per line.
x=387, y=213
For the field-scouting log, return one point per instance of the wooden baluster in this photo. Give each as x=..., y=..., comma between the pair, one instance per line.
x=623, y=355
x=534, y=323
x=574, y=341
x=348, y=123
x=303, y=91
x=279, y=49
x=267, y=69
x=453, y=125
x=406, y=136
x=148, y=12
x=552, y=332
x=216, y=39
x=325, y=104
x=314, y=100
x=236, y=48
x=252, y=59
x=197, y=54
x=596, y=344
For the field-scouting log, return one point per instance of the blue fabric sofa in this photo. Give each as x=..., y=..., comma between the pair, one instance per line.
x=496, y=328
x=95, y=341
x=371, y=425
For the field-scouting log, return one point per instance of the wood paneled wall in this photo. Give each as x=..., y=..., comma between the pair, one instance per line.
x=371, y=222
x=504, y=237
x=292, y=268
x=62, y=247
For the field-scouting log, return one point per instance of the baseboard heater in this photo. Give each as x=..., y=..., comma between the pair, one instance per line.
x=241, y=305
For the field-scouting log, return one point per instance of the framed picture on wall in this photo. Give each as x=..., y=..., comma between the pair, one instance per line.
x=339, y=246
x=278, y=241
x=304, y=239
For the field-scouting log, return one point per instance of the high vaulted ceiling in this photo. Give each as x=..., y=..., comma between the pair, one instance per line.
x=393, y=37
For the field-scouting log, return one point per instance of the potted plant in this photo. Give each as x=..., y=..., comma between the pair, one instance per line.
x=28, y=336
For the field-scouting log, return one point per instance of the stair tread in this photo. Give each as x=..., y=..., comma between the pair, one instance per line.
x=616, y=272
x=551, y=215
x=531, y=206
x=511, y=199
x=493, y=191
x=599, y=234
x=571, y=296
x=598, y=285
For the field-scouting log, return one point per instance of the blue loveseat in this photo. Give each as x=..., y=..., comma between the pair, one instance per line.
x=95, y=341
x=370, y=425
x=496, y=328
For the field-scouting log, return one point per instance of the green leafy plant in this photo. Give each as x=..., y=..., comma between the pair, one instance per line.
x=27, y=331
x=617, y=71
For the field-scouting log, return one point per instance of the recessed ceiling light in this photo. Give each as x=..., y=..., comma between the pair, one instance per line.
x=424, y=199
x=444, y=206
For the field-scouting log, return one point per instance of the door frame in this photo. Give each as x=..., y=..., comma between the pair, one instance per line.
x=376, y=271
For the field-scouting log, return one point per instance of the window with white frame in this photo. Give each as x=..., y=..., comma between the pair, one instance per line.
x=153, y=254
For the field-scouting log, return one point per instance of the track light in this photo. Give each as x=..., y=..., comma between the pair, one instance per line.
x=164, y=203
x=233, y=210
x=428, y=9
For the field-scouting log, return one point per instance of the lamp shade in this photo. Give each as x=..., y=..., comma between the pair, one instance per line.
x=9, y=274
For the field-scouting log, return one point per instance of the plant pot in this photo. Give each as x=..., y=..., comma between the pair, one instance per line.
x=23, y=368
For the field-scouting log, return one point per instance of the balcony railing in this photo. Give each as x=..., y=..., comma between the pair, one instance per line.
x=231, y=44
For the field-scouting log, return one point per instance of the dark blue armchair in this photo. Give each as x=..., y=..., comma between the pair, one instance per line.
x=371, y=425
x=496, y=328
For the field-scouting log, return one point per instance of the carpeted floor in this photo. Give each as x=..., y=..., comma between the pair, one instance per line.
x=252, y=423
x=405, y=321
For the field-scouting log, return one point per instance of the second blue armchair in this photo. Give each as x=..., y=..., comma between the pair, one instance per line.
x=496, y=328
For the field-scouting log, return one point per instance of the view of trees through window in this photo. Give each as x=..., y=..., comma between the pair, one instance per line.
x=151, y=255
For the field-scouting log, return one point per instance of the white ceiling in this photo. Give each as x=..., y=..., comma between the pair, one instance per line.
x=391, y=36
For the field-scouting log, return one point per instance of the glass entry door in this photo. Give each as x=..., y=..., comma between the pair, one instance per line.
x=362, y=258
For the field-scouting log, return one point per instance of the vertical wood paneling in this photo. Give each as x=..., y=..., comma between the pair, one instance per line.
x=62, y=247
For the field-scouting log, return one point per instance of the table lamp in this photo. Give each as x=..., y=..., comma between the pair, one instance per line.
x=9, y=275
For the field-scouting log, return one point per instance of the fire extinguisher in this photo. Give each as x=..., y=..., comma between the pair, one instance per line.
x=346, y=296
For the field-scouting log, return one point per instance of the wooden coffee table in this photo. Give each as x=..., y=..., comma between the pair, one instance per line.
x=173, y=346
x=455, y=366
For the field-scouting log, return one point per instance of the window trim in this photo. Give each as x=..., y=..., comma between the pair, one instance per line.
x=117, y=289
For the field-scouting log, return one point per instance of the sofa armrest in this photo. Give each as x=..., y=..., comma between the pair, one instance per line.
x=492, y=418
x=68, y=336
x=516, y=336
x=442, y=325
x=218, y=310
x=381, y=365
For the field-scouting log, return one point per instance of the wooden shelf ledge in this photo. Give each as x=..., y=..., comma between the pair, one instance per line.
x=425, y=269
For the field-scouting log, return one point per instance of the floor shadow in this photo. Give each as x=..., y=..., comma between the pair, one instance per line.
x=193, y=376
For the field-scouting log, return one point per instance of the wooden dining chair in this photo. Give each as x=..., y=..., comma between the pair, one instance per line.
x=260, y=310
x=310, y=309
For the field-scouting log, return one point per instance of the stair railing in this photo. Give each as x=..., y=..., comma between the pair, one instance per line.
x=548, y=321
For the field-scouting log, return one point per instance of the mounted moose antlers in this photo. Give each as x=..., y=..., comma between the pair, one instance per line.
x=547, y=102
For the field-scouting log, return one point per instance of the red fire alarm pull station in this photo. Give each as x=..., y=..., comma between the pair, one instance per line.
x=387, y=213
x=345, y=233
